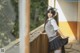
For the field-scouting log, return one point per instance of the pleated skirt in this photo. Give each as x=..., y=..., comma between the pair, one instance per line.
x=57, y=43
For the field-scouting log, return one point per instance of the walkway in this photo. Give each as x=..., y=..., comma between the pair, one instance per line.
x=73, y=48
x=70, y=48
x=14, y=49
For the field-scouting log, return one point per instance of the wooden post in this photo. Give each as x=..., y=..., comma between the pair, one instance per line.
x=27, y=44
x=78, y=23
x=51, y=3
x=54, y=3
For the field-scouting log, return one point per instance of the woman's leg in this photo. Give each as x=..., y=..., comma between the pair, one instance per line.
x=58, y=50
x=62, y=49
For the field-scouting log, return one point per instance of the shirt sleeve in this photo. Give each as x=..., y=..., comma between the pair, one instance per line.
x=54, y=24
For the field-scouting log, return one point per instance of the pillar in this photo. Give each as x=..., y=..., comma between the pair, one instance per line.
x=78, y=23
x=24, y=25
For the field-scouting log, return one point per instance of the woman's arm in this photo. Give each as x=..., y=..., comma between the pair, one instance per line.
x=56, y=28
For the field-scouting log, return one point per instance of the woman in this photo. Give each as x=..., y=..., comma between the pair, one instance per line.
x=52, y=30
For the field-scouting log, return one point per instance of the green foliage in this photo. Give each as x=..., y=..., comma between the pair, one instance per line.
x=15, y=30
x=38, y=8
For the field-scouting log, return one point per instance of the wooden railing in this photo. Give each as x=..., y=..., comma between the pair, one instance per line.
x=38, y=40
x=40, y=44
x=36, y=32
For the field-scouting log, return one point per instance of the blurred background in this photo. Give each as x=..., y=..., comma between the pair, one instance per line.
x=37, y=12
x=8, y=22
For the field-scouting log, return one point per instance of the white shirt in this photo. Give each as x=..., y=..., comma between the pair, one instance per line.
x=53, y=23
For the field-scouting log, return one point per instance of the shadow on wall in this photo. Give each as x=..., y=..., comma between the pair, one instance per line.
x=69, y=9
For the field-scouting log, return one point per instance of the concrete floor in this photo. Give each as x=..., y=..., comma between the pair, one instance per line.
x=73, y=48
x=14, y=49
x=70, y=48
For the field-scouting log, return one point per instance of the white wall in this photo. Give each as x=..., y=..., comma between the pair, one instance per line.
x=68, y=11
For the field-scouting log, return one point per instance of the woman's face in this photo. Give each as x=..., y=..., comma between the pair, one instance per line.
x=50, y=14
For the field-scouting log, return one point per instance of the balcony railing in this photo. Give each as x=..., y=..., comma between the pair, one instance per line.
x=34, y=34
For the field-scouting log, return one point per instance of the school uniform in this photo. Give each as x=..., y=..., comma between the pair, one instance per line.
x=55, y=40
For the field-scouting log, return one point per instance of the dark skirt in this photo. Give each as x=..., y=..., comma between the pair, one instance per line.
x=57, y=43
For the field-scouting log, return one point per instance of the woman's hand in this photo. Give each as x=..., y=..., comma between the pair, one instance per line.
x=64, y=37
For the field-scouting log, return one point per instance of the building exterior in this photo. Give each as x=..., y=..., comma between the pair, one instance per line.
x=69, y=18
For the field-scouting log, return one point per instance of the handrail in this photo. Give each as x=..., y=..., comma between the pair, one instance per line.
x=36, y=32
x=11, y=44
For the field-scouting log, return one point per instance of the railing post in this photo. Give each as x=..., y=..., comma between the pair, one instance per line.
x=52, y=3
x=27, y=44
x=78, y=23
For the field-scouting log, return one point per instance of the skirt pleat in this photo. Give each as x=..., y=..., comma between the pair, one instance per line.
x=57, y=43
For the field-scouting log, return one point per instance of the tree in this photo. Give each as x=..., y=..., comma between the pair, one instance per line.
x=38, y=8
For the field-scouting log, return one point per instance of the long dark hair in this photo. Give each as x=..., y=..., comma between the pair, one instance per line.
x=52, y=10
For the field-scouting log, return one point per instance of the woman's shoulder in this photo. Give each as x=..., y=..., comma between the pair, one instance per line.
x=52, y=20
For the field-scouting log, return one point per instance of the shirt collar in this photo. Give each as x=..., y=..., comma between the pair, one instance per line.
x=50, y=18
